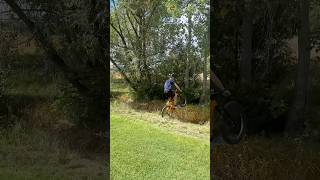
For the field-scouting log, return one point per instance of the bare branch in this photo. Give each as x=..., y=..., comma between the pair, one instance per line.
x=131, y=23
x=120, y=34
x=48, y=47
x=123, y=74
x=124, y=47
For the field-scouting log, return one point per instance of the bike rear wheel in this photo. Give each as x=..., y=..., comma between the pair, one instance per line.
x=182, y=101
x=233, y=125
x=232, y=131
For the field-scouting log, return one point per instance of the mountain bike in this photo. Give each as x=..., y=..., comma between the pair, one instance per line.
x=228, y=118
x=172, y=104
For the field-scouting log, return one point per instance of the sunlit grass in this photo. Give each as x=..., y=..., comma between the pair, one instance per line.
x=139, y=150
x=155, y=119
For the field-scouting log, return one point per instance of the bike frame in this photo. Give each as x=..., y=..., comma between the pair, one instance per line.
x=216, y=104
x=171, y=104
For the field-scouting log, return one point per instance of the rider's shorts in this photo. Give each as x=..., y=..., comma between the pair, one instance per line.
x=169, y=94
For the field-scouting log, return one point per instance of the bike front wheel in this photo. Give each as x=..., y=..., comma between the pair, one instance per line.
x=165, y=112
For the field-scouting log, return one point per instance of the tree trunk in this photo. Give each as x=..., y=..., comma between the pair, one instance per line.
x=269, y=35
x=188, y=62
x=144, y=56
x=204, y=96
x=131, y=84
x=186, y=73
x=295, y=124
x=246, y=46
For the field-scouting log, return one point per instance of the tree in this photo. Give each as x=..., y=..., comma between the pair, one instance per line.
x=150, y=39
x=246, y=44
x=135, y=40
x=250, y=42
x=201, y=31
x=87, y=74
x=298, y=110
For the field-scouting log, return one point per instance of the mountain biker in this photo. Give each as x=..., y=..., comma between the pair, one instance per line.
x=231, y=113
x=217, y=86
x=168, y=87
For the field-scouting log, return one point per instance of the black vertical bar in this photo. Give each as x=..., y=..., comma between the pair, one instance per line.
x=213, y=4
x=108, y=88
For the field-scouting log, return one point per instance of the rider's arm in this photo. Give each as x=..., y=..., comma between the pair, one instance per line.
x=216, y=81
x=176, y=85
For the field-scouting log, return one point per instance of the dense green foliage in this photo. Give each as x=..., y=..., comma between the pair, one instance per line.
x=150, y=39
x=275, y=24
x=73, y=43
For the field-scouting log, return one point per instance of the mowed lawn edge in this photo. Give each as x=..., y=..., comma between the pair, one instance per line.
x=140, y=150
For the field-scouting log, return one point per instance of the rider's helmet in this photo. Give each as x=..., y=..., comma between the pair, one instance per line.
x=171, y=76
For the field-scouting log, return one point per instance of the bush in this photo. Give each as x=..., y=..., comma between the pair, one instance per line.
x=85, y=109
x=155, y=92
x=312, y=124
x=70, y=103
x=266, y=107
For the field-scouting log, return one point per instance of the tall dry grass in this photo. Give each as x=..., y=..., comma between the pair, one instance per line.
x=191, y=113
x=267, y=159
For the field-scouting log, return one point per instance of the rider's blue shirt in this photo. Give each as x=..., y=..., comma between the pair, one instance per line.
x=168, y=85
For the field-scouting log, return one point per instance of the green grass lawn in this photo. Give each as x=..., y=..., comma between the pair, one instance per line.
x=140, y=150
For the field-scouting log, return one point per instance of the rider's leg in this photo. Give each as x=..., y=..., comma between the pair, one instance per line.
x=171, y=99
x=168, y=96
x=175, y=99
x=215, y=138
x=171, y=102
